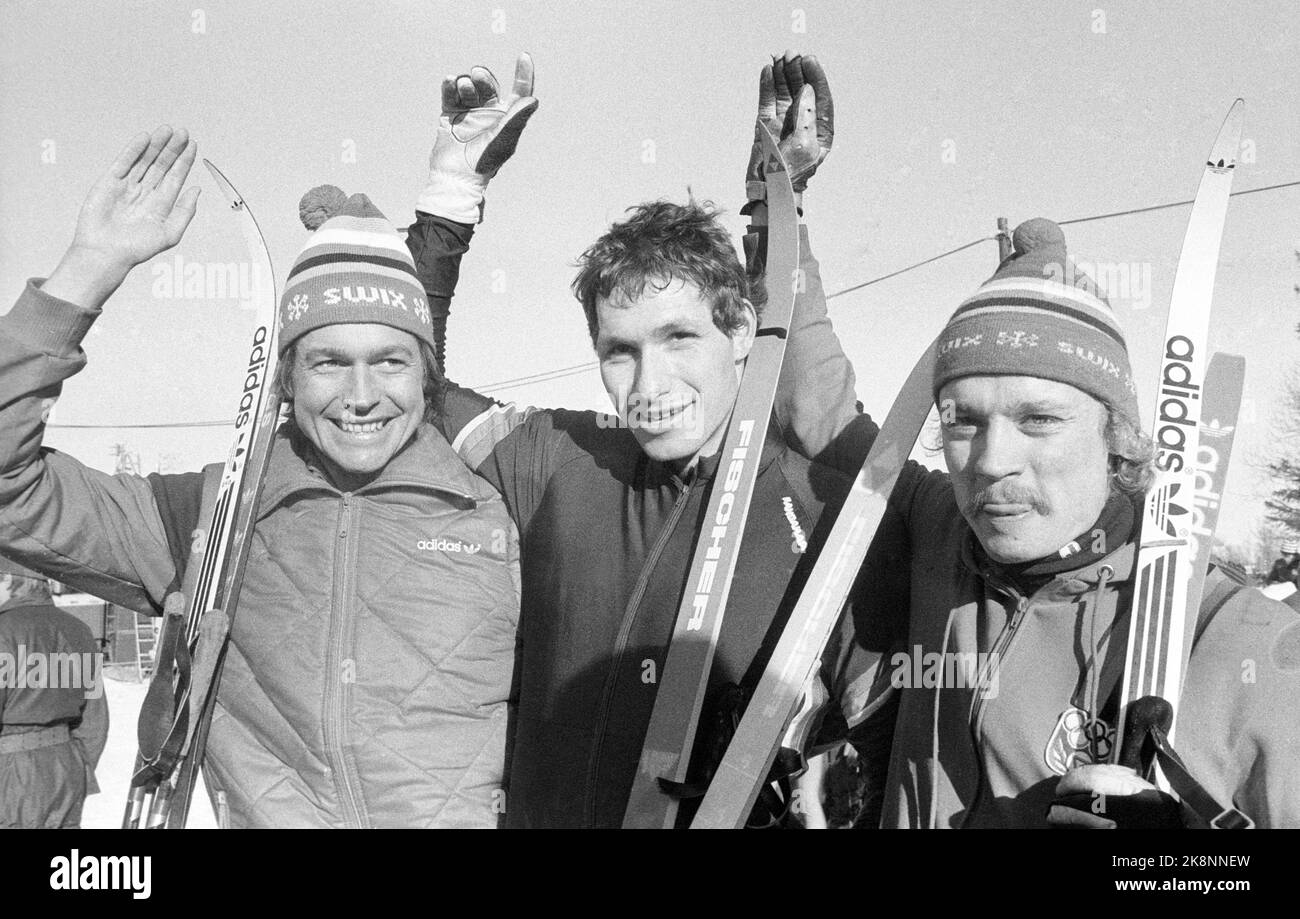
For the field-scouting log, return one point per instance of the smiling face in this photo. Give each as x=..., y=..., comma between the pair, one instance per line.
x=358, y=396
x=671, y=372
x=1027, y=459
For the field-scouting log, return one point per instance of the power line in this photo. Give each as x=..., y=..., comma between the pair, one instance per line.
x=547, y=376
x=1161, y=207
x=543, y=377
x=894, y=274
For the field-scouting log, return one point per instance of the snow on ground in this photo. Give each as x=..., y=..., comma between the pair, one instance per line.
x=1278, y=591
x=104, y=810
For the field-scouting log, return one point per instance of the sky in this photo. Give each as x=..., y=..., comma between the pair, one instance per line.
x=948, y=115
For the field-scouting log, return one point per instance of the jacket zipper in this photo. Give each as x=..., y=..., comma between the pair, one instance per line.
x=336, y=690
x=620, y=644
x=996, y=653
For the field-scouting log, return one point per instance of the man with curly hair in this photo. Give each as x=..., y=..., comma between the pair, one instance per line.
x=610, y=507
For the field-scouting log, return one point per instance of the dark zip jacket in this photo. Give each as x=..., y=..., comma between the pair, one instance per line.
x=607, y=537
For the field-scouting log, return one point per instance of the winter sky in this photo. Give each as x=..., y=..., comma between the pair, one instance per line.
x=949, y=114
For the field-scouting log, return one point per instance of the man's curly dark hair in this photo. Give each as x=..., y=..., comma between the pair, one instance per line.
x=662, y=242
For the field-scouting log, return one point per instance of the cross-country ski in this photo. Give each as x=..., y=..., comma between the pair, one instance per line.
x=166, y=773
x=787, y=680
x=670, y=736
x=1159, y=639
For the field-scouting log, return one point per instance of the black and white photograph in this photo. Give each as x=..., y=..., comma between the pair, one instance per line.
x=826, y=415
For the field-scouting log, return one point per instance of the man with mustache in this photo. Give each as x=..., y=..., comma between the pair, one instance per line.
x=1019, y=562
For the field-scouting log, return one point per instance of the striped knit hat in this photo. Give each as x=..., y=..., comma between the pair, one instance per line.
x=354, y=268
x=1039, y=316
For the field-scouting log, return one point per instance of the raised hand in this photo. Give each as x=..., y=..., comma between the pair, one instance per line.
x=477, y=132
x=135, y=211
x=795, y=105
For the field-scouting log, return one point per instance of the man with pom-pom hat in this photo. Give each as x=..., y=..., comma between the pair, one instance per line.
x=369, y=668
x=993, y=632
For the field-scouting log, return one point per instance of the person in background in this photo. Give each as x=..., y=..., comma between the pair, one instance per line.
x=1287, y=567
x=53, y=714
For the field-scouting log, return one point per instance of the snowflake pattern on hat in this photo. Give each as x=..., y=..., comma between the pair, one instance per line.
x=354, y=269
x=1018, y=339
x=1039, y=315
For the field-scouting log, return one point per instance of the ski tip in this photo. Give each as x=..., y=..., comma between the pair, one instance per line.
x=228, y=191
x=1226, y=367
x=1227, y=358
x=1228, y=143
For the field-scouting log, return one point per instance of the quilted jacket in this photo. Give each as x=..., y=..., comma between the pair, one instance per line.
x=370, y=663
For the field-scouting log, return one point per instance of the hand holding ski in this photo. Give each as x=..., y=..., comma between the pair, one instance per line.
x=1105, y=796
x=1174, y=547
x=794, y=106
x=1164, y=608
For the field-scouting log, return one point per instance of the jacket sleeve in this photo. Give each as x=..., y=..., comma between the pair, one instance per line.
x=474, y=424
x=97, y=532
x=92, y=732
x=816, y=397
x=816, y=404
x=1236, y=722
x=513, y=449
x=437, y=246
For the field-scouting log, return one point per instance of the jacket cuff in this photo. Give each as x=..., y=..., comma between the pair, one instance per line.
x=48, y=324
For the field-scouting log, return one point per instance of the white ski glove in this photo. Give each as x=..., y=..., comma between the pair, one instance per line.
x=477, y=132
x=794, y=104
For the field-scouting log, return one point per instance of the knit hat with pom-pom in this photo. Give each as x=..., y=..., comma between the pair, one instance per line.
x=1039, y=316
x=355, y=268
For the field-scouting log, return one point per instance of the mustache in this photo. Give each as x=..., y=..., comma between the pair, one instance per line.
x=1005, y=493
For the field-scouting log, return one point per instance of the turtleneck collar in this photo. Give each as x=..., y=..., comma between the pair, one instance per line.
x=1117, y=520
